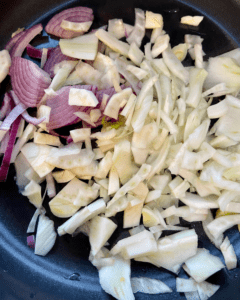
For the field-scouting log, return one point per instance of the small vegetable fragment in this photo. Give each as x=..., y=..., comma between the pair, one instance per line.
x=63, y=176
x=160, y=45
x=186, y=285
x=149, y=217
x=192, y=20
x=81, y=47
x=81, y=97
x=133, y=246
x=46, y=139
x=36, y=155
x=176, y=248
x=79, y=135
x=115, y=279
x=202, y=265
x=46, y=236
x=33, y=192
x=33, y=222
x=116, y=27
x=229, y=254
x=223, y=70
x=138, y=31
x=112, y=42
x=113, y=106
x=62, y=205
x=175, y=66
x=153, y=20
x=76, y=26
x=132, y=214
x=82, y=216
x=101, y=229
x=219, y=225
x=5, y=63
x=149, y=286
x=180, y=51
x=206, y=290
x=135, y=54
x=197, y=78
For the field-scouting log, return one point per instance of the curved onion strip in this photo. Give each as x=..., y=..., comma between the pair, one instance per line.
x=7, y=106
x=25, y=114
x=29, y=86
x=8, y=153
x=13, y=40
x=22, y=42
x=76, y=14
x=59, y=107
x=55, y=57
x=32, y=120
x=17, y=111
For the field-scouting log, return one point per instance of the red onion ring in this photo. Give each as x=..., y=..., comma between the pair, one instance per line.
x=7, y=106
x=62, y=114
x=28, y=81
x=13, y=40
x=22, y=42
x=25, y=115
x=76, y=14
x=55, y=57
x=37, y=53
x=14, y=114
x=8, y=153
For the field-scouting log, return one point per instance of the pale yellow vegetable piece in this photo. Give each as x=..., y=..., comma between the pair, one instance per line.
x=81, y=97
x=81, y=47
x=33, y=192
x=101, y=229
x=79, y=135
x=46, y=139
x=36, y=155
x=76, y=26
x=5, y=63
x=132, y=214
x=63, y=176
x=62, y=204
x=153, y=20
x=149, y=217
x=192, y=20
x=180, y=51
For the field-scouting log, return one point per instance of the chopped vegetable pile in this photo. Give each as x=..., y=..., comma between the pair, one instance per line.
x=126, y=127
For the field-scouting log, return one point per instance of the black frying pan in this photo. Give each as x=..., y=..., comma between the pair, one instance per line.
x=65, y=273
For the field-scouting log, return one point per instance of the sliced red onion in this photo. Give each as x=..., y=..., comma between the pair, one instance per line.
x=69, y=139
x=7, y=106
x=28, y=81
x=13, y=40
x=17, y=111
x=25, y=115
x=76, y=14
x=32, y=120
x=22, y=42
x=62, y=114
x=37, y=53
x=8, y=153
x=31, y=241
x=55, y=57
